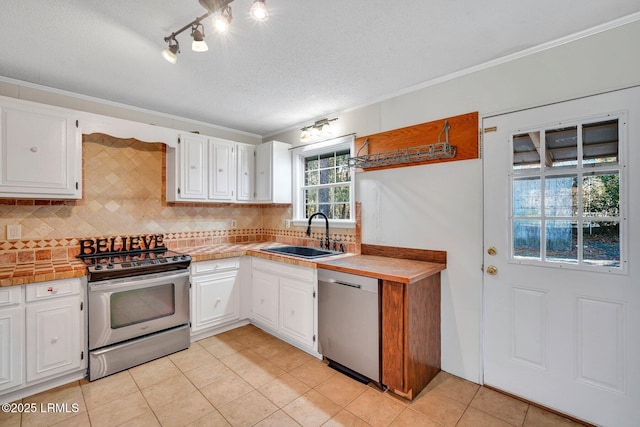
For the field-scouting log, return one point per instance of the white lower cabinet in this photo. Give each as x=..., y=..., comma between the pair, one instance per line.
x=297, y=310
x=42, y=336
x=283, y=301
x=11, y=337
x=264, y=299
x=215, y=293
x=53, y=337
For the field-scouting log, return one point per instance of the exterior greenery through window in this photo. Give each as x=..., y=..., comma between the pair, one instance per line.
x=566, y=203
x=327, y=185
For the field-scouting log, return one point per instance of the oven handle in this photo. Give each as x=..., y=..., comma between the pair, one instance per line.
x=136, y=282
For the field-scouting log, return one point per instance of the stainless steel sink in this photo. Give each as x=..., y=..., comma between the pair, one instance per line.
x=302, y=251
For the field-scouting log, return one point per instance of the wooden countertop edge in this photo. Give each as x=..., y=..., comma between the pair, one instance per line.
x=39, y=278
x=430, y=268
x=253, y=249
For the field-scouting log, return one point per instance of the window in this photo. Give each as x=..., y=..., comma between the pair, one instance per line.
x=566, y=195
x=323, y=180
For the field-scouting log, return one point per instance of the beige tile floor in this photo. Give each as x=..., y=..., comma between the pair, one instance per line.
x=246, y=377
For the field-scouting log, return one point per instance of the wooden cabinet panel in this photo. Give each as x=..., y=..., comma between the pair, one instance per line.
x=410, y=334
x=393, y=335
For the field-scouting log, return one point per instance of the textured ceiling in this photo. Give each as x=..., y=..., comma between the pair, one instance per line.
x=309, y=59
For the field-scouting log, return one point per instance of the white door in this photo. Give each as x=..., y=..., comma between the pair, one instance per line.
x=562, y=256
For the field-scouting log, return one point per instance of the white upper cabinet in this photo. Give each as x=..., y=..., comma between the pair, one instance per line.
x=221, y=169
x=201, y=169
x=246, y=172
x=273, y=172
x=40, y=151
x=192, y=154
x=206, y=169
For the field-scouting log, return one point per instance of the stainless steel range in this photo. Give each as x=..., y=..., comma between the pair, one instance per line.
x=138, y=302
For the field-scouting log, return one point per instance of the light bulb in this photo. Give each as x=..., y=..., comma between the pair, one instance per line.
x=222, y=20
x=259, y=11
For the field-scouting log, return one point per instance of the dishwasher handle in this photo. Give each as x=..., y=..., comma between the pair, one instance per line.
x=338, y=282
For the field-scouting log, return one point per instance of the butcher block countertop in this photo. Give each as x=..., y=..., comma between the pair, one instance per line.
x=385, y=268
x=406, y=265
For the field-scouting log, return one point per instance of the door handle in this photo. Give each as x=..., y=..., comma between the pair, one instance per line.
x=492, y=270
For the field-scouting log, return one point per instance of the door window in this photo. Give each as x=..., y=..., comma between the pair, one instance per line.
x=566, y=195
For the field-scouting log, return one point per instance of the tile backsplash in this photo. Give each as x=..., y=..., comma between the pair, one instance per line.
x=124, y=193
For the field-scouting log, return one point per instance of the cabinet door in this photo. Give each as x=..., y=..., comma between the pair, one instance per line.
x=296, y=311
x=263, y=172
x=264, y=299
x=11, y=347
x=245, y=177
x=40, y=152
x=221, y=170
x=54, y=338
x=193, y=168
x=216, y=299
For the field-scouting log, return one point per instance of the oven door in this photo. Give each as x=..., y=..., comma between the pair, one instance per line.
x=131, y=307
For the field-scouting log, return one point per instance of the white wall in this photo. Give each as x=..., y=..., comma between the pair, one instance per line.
x=440, y=206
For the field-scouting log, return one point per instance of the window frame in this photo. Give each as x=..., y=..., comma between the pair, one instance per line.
x=580, y=171
x=298, y=155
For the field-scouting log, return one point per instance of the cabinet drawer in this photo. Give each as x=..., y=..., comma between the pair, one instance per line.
x=10, y=295
x=282, y=269
x=215, y=265
x=54, y=289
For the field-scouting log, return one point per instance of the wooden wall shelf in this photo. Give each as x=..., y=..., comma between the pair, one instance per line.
x=463, y=135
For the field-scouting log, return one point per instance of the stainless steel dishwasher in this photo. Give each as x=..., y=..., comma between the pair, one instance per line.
x=349, y=323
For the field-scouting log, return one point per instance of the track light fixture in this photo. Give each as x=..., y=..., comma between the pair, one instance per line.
x=171, y=52
x=222, y=17
x=198, y=44
x=319, y=128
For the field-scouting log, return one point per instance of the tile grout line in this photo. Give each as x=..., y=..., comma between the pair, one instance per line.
x=140, y=389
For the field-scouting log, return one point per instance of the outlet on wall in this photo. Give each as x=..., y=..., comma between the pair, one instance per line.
x=14, y=231
x=287, y=223
x=234, y=223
